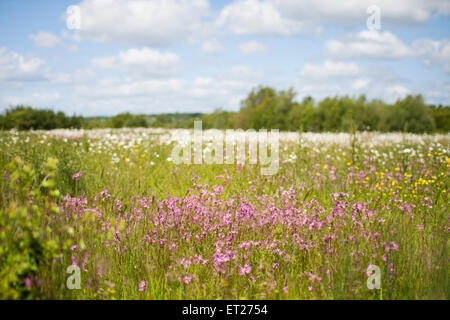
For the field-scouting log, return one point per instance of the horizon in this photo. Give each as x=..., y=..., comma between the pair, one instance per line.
x=160, y=59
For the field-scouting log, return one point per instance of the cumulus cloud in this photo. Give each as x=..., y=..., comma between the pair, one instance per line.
x=15, y=67
x=198, y=94
x=433, y=53
x=35, y=99
x=44, y=39
x=360, y=83
x=369, y=44
x=116, y=88
x=291, y=17
x=345, y=12
x=212, y=46
x=385, y=45
x=144, y=61
x=438, y=93
x=243, y=73
x=246, y=17
x=329, y=69
x=397, y=91
x=254, y=47
x=148, y=23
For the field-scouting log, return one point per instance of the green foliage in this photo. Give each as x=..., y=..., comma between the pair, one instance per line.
x=127, y=120
x=28, y=229
x=441, y=117
x=174, y=120
x=267, y=108
x=119, y=260
x=26, y=118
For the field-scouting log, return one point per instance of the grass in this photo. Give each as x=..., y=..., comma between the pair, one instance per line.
x=141, y=227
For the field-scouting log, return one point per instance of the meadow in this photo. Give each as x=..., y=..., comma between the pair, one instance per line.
x=139, y=226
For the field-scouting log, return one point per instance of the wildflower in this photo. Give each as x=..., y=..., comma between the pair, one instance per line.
x=394, y=246
x=27, y=282
x=142, y=286
x=187, y=279
x=185, y=262
x=245, y=270
x=77, y=176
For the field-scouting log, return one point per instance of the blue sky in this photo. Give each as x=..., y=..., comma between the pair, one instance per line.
x=195, y=56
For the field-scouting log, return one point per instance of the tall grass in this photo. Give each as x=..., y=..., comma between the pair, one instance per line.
x=141, y=227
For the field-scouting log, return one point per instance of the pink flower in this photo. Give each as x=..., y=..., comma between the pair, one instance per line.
x=245, y=270
x=77, y=176
x=27, y=282
x=285, y=289
x=420, y=227
x=187, y=279
x=394, y=246
x=142, y=286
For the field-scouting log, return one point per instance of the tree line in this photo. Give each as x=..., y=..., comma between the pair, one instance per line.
x=267, y=108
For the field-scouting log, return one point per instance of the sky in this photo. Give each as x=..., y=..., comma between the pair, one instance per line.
x=105, y=57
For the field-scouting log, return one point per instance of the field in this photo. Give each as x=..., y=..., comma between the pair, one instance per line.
x=139, y=226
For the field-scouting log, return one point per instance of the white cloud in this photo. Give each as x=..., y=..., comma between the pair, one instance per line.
x=15, y=67
x=116, y=88
x=200, y=94
x=149, y=23
x=433, y=52
x=212, y=46
x=388, y=92
x=75, y=77
x=254, y=47
x=438, y=93
x=333, y=78
x=397, y=91
x=35, y=99
x=351, y=12
x=243, y=73
x=140, y=61
x=290, y=17
x=385, y=45
x=360, y=83
x=256, y=17
x=329, y=69
x=369, y=44
x=45, y=39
